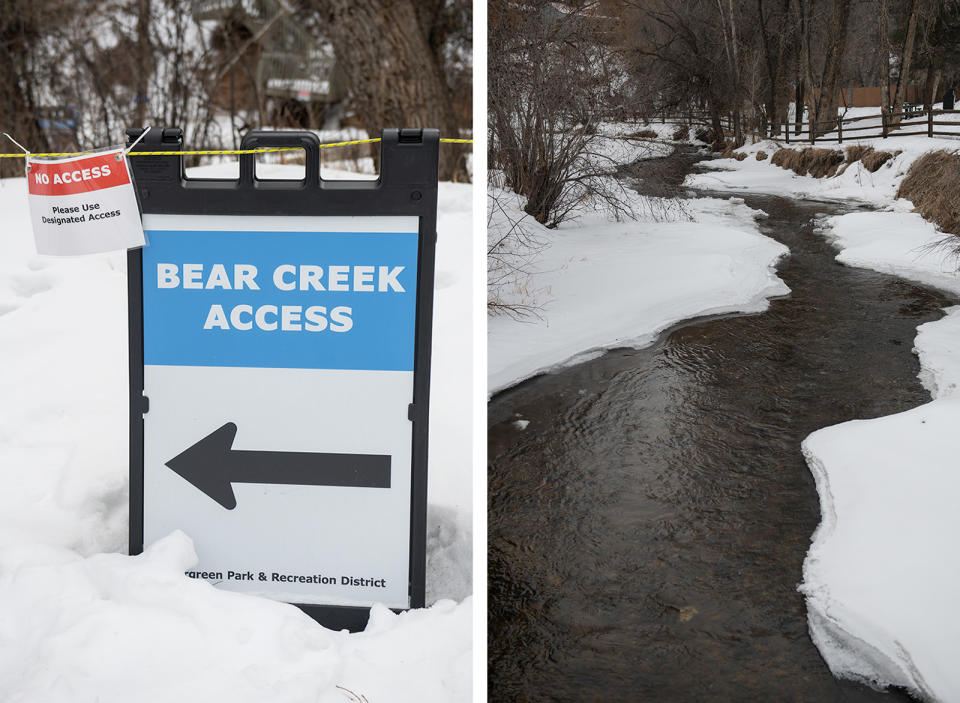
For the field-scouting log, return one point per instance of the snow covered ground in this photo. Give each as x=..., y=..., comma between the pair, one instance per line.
x=81, y=621
x=881, y=575
x=602, y=284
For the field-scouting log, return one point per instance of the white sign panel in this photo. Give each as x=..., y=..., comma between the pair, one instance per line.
x=83, y=205
x=278, y=363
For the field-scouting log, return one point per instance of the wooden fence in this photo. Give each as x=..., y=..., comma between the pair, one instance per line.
x=929, y=124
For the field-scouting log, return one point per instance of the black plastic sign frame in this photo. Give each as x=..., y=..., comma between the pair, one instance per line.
x=407, y=186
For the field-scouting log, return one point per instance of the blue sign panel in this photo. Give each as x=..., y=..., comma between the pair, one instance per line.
x=266, y=299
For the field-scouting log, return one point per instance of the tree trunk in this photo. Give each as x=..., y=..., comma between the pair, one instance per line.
x=836, y=50
x=798, y=107
x=808, y=86
x=142, y=63
x=883, y=31
x=905, y=61
x=930, y=86
x=773, y=70
x=396, y=76
x=717, y=125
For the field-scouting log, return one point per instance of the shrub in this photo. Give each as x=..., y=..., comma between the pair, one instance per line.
x=681, y=133
x=761, y=156
x=933, y=185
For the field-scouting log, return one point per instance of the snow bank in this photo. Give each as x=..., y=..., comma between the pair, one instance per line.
x=895, y=242
x=938, y=346
x=881, y=575
x=80, y=624
x=604, y=284
x=116, y=629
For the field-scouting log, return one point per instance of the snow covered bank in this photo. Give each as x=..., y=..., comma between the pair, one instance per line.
x=881, y=576
x=79, y=620
x=608, y=284
x=897, y=242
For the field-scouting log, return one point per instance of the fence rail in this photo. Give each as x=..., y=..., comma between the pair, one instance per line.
x=900, y=124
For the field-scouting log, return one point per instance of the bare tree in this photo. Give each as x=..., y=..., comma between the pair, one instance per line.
x=776, y=40
x=833, y=61
x=23, y=23
x=74, y=76
x=550, y=78
x=906, y=57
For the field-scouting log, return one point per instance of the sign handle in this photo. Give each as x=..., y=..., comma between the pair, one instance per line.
x=257, y=139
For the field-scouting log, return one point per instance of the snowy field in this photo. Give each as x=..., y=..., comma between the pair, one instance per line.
x=881, y=575
x=601, y=284
x=81, y=621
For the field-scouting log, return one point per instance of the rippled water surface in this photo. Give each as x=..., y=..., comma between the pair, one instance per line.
x=648, y=528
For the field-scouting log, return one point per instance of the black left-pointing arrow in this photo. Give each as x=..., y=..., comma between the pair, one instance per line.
x=213, y=466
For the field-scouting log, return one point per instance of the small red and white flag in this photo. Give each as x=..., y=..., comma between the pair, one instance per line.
x=83, y=204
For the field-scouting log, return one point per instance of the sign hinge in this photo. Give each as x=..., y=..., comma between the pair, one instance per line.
x=144, y=404
x=411, y=412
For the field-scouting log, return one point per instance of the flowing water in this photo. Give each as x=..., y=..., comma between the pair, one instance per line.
x=647, y=529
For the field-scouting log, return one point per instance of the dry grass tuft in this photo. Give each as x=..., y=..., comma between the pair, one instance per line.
x=857, y=152
x=761, y=156
x=681, y=133
x=818, y=163
x=875, y=159
x=823, y=162
x=738, y=156
x=933, y=185
x=725, y=149
x=784, y=158
x=644, y=134
x=826, y=163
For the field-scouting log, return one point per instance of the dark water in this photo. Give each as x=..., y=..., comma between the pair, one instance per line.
x=648, y=528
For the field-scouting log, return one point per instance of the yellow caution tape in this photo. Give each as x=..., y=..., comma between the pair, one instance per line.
x=219, y=152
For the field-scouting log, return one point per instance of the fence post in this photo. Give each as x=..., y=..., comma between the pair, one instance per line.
x=930, y=122
x=812, y=138
x=883, y=118
x=839, y=131
x=786, y=128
